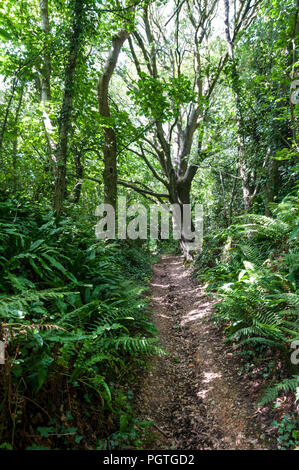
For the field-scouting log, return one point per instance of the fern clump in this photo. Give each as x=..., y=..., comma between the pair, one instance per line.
x=69, y=311
x=258, y=285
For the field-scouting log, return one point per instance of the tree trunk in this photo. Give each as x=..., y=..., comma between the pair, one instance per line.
x=7, y=111
x=79, y=176
x=46, y=68
x=181, y=196
x=271, y=185
x=44, y=83
x=247, y=200
x=110, y=144
x=247, y=197
x=15, y=142
x=294, y=74
x=66, y=109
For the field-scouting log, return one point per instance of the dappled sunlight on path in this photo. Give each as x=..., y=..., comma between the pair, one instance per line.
x=190, y=393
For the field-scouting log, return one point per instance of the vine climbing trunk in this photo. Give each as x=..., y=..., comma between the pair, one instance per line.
x=7, y=111
x=246, y=180
x=15, y=142
x=110, y=142
x=66, y=108
x=44, y=84
x=46, y=66
x=239, y=120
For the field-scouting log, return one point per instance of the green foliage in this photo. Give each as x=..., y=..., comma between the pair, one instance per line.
x=256, y=277
x=160, y=99
x=131, y=430
x=288, y=432
x=68, y=307
x=73, y=312
x=62, y=433
x=287, y=385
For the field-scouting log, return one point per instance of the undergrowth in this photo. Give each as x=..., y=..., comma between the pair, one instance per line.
x=75, y=327
x=253, y=268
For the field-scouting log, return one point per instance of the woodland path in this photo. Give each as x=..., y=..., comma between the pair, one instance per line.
x=193, y=394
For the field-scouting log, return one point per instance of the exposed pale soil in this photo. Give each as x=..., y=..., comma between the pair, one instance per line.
x=194, y=394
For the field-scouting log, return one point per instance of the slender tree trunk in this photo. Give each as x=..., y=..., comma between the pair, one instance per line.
x=79, y=177
x=110, y=144
x=66, y=109
x=247, y=197
x=15, y=142
x=232, y=197
x=7, y=111
x=44, y=82
x=294, y=74
x=224, y=199
x=271, y=185
x=245, y=185
x=46, y=67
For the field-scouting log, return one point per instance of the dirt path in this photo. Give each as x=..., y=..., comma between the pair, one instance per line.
x=192, y=394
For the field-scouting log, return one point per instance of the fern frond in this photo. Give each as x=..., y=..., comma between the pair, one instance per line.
x=287, y=385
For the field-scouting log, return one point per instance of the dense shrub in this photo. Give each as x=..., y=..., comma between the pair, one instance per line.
x=256, y=277
x=70, y=307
